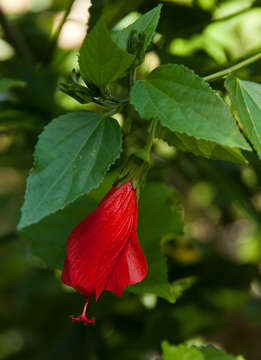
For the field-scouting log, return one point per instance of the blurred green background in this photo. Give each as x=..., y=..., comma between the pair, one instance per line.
x=221, y=246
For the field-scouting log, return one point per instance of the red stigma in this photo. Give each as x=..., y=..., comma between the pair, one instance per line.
x=83, y=318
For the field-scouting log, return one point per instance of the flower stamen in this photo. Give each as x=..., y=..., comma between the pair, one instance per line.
x=83, y=318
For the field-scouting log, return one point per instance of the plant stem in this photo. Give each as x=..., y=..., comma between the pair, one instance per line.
x=231, y=16
x=133, y=73
x=235, y=67
x=154, y=124
x=59, y=29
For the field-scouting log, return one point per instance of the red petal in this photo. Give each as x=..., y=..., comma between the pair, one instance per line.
x=66, y=279
x=96, y=244
x=131, y=267
x=111, y=257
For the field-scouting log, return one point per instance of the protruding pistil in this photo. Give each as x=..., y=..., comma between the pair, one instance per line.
x=83, y=318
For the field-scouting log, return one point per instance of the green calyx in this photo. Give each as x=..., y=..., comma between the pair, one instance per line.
x=137, y=166
x=135, y=171
x=85, y=92
x=135, y=46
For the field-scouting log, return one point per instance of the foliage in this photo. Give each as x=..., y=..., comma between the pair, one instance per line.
x=71, y=158
x=186, y=104
x=245, y=96
x=101, y=60
x=183, y=352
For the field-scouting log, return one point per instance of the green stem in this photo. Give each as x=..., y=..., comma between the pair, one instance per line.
x=109, y=113
x=235, y=67
x=56, y=35
x=133, y=73
x=231, y=16
x=154, y=124
x=138, y=165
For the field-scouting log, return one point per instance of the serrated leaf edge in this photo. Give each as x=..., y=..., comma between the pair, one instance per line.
x=204, y=83
x=19, y=227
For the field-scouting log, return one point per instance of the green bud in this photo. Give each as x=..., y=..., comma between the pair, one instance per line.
x=133, y=42
x=135, y=46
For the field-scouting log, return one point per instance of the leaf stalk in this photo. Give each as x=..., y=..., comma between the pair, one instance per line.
x=229, y=70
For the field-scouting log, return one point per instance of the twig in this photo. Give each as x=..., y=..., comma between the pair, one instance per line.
x=59, y=29
x=233, y=68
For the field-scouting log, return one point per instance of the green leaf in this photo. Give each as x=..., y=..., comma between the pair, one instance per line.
x=180, y=352
x=212, y=353
x=183, y=102
x=188, y=352
x=101, y=59
x=72, y=156
x=7, y=83
x=157, y=217
x=48, y=238
x=146, y=24
x=179, y=286
x=204, y=148
x=111, y=10
x=246, y=99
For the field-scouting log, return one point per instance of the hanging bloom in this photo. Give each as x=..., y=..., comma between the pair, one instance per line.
x=103, y=252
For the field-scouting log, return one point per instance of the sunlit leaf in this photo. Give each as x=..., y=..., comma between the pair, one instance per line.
x=146, y=24
x=180, y=352
x=188, y=352
x=101, y=59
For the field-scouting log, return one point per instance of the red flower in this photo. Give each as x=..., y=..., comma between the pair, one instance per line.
x=103, y=252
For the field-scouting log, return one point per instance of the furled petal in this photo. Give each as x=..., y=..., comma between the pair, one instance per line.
x=124, y=267
x=66, y=279
x=103, y=252
x=130, y=268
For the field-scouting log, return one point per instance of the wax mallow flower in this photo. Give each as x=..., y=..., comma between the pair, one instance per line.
x=103, y=252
